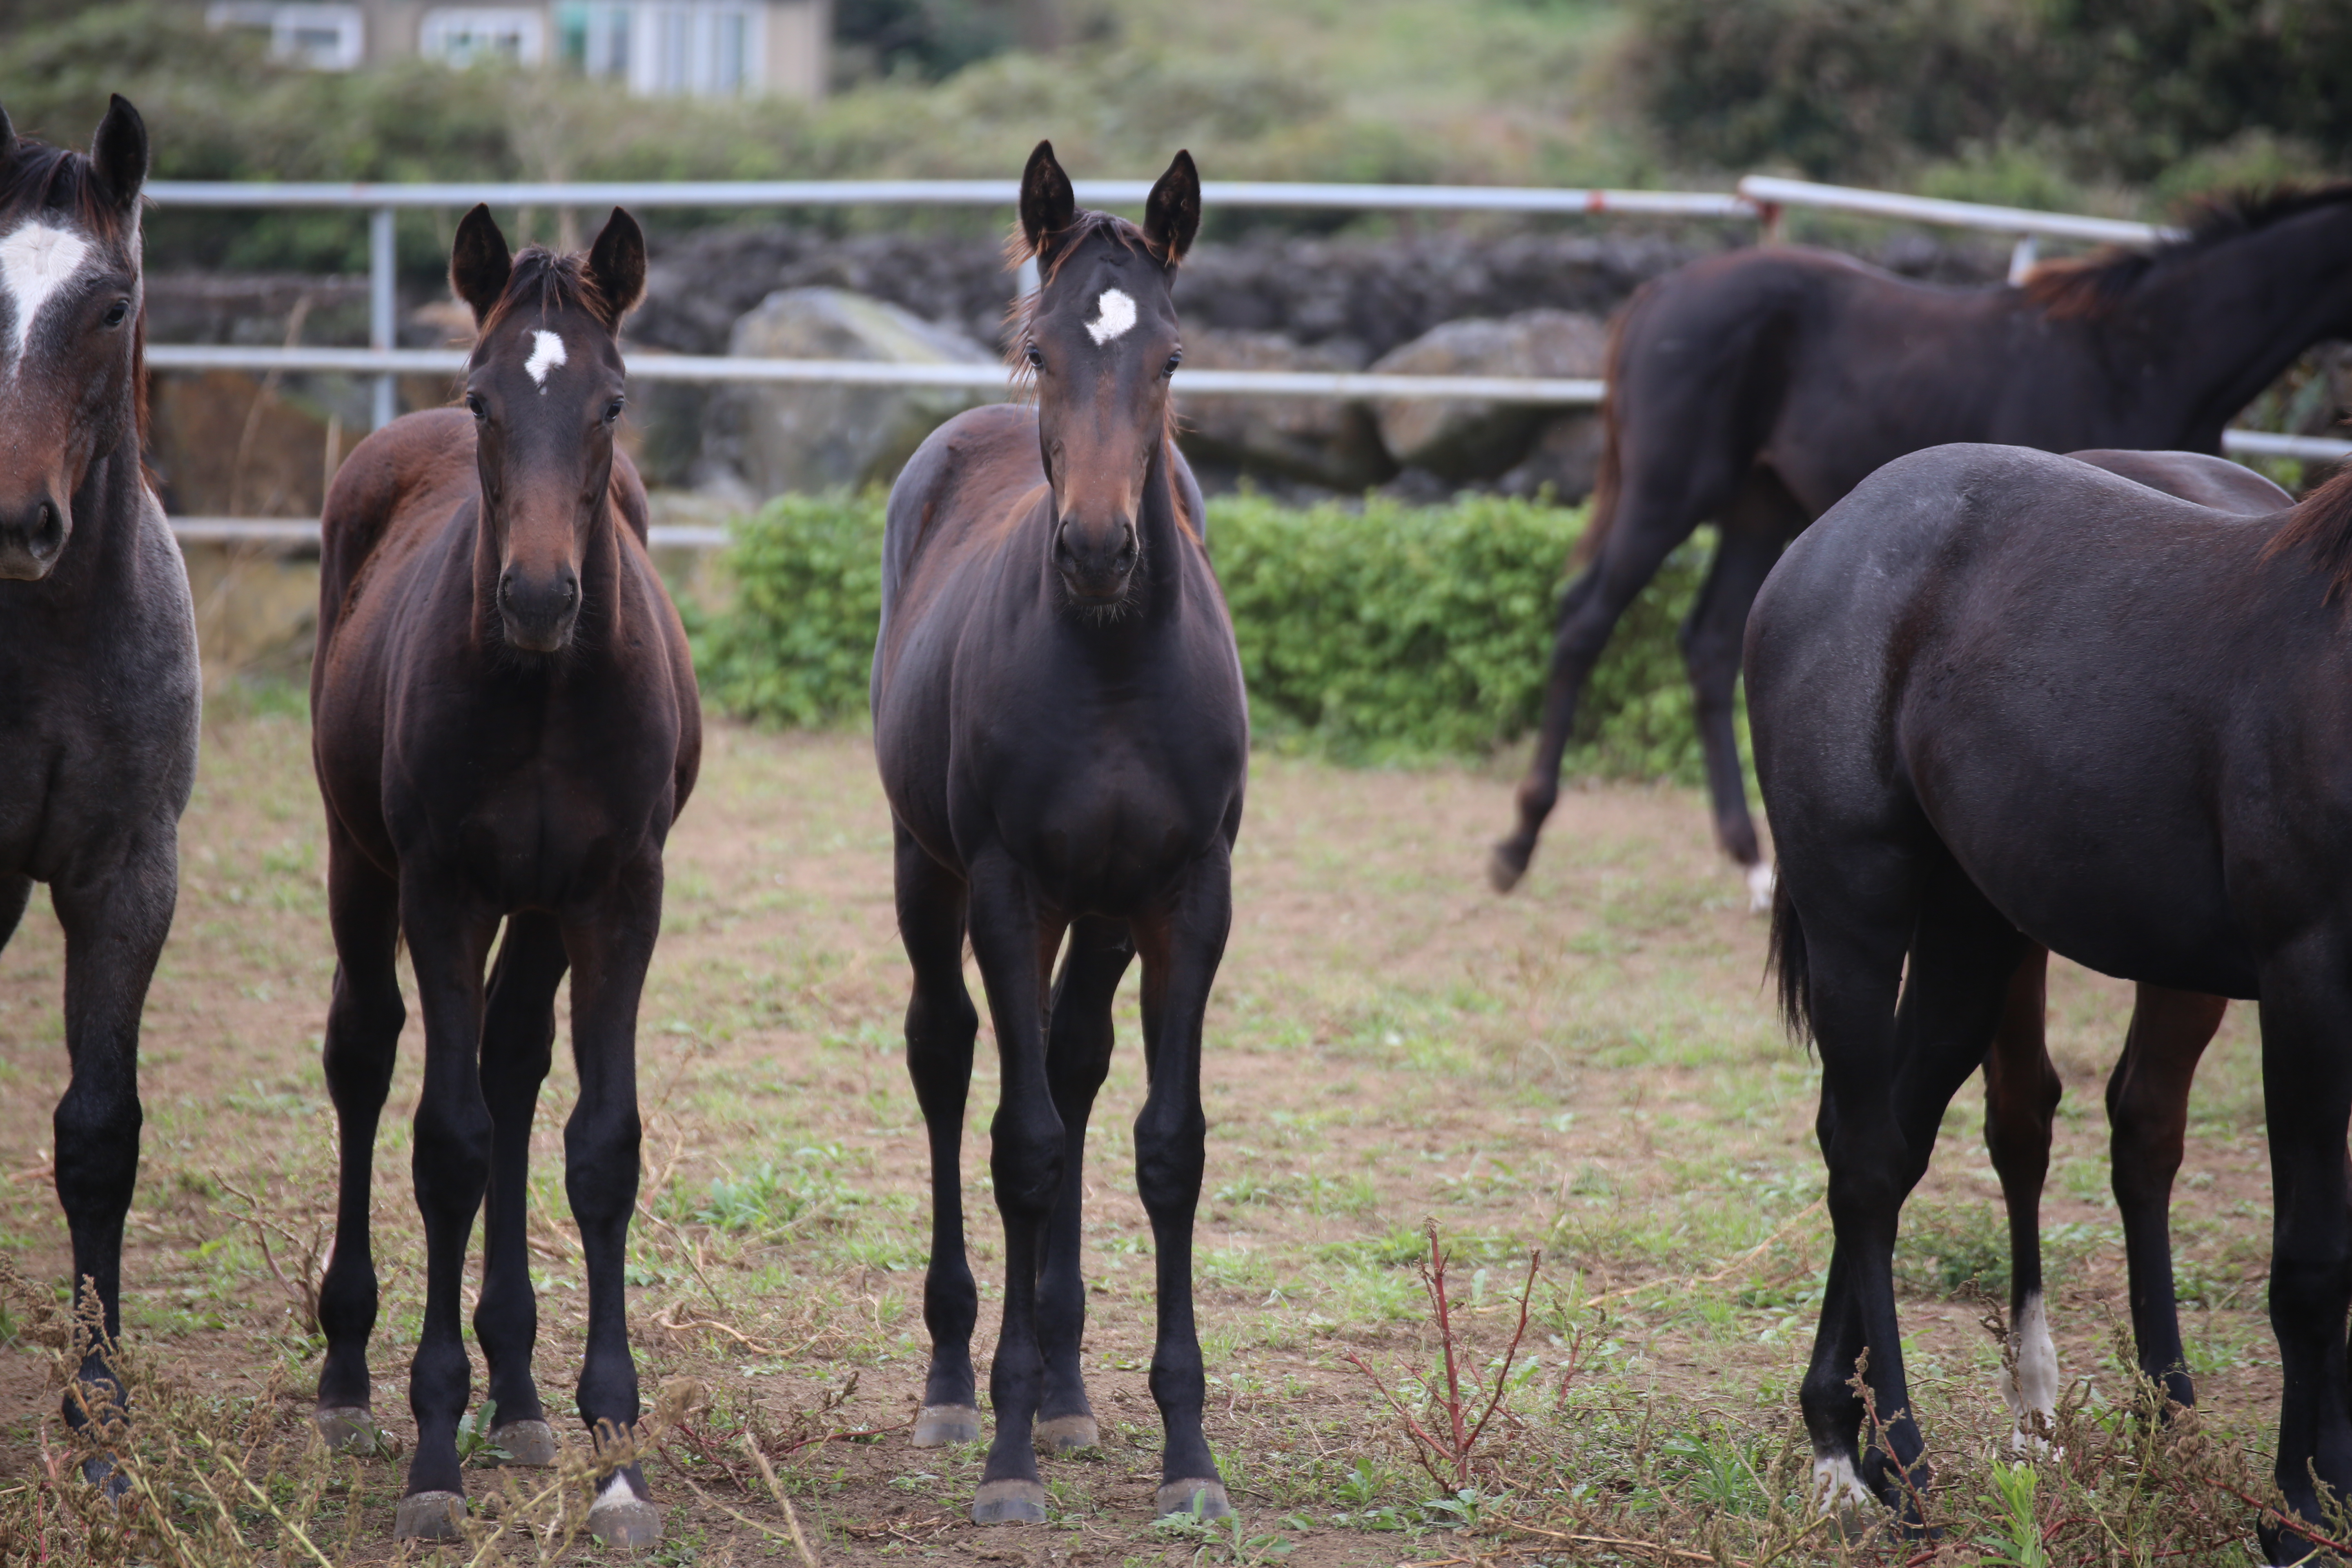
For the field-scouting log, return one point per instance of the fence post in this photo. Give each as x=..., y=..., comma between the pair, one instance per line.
x=383, y=306
x=2023, y=258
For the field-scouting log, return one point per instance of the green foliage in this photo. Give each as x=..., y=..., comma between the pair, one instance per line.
x=1387, y=634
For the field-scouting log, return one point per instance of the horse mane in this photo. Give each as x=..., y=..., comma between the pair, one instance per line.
x=61, y=179
x=2322, y=524
x=552, y=283
x=2094, y=284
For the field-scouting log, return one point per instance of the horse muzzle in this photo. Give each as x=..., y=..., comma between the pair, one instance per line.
x=1097, y=565
x=538, y=611
x=32, y=536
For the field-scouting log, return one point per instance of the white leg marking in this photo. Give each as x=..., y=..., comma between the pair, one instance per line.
x=1114, y=314
x=616, y=1490
x=35, y=261
x=1760, y=880
x=1835, y=1486
x=2034, y=1389
x=546, y=353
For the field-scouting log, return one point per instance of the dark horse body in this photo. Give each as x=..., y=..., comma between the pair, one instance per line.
x=2000, y=700
x=506, y=727
x=1757, y=388
x=99, y=679
x=1059, y=722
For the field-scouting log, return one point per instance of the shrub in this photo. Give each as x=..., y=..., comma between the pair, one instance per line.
x=1390, y=634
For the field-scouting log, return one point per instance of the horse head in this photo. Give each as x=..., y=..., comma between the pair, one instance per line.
x=1100, y=338
x=69, y=279
x=545, y=385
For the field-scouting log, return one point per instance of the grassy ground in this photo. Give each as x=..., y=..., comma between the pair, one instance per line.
x=1589, y=1067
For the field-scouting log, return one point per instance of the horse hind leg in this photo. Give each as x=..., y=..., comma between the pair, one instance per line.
x=2021, y=1093
x=2148, y=1118
x=517, y=1042
x=16, y=892
x=1077, y=1058
x=942, y=1025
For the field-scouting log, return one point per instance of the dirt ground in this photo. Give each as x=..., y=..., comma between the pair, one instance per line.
x=1588, y=1065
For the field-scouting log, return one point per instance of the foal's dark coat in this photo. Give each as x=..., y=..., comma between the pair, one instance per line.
x=506, y=727
x=98, y=687
x=1059, y=720
x=1759, y=387
x=2001, y=698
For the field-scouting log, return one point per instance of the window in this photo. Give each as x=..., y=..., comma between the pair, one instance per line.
x=329, y=37
x=594, y=39
x=460, y=37
x=702, y=48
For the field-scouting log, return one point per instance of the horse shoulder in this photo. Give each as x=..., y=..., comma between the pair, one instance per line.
x=415, y=470
x=627, y=488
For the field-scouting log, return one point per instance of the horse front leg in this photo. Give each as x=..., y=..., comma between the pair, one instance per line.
x=1078, y=1059
x=610, y=953
x=940, y=1027
x=449, y=943
x=1181, y=947
x=115, y=924
x=518, y=1039
x=1014, y=938
x=2021, y=1093
x=2147, y=1126
x=363, y=1024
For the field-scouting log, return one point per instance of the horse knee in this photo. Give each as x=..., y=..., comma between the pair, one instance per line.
x=601, y=1157
x=452, y=1163
x=95, y=1136
x=1169, y=1157
x=1024, y=1159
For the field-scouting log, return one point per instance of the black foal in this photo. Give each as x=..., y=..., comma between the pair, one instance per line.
x=1060, y=725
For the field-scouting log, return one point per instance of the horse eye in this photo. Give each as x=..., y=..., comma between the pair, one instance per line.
x=612, y=411
x=1174, y=360
x=1036, y=357
x=476, y=406
x=117, y=313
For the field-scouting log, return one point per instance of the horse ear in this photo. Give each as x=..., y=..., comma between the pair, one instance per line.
x=479, y=263
x=617, y=262
x=1172, y=213
x=1047, y=202
x=119, y=152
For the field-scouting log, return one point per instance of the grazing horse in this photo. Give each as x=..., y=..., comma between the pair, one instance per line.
x=506, y=726
x=1757, y=389
x=99, y=682
x=2001, y=698
x=1059, y=722
x=2147, y=1093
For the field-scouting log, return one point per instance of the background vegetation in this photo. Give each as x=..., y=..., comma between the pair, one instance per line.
x=1395, y=633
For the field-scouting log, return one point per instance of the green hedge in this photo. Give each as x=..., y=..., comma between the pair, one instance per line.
x=1387, y=634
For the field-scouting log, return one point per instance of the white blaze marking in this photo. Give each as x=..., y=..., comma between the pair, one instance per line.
x=1115, y=313
x=2034, y=1389
x=546, y=353
x=1835, y=1486
x=35, y=261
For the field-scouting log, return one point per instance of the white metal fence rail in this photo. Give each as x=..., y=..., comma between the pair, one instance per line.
x=1759, y=197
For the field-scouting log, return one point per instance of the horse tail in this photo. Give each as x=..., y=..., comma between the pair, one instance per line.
x=1788, y=961
x=1609, y=481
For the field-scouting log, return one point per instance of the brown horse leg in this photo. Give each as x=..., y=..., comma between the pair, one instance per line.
x=1077, y=1058
x=114, y=927
x=1630, y=557
x=518, y=1039
x=1762, y=520
x=2148, y=1118
x=941, y=1026
x=610, y=948
x=1181, y=947
x=1013, y=940
x=2021, y=1091
x=363, y=1024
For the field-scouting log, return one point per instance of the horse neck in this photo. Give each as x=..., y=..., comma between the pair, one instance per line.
x=1161, y=536
x=2226, y=322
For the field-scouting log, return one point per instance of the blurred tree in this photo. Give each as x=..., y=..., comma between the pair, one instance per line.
x=931, y=38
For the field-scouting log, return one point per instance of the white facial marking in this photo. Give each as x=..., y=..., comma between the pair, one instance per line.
x=1760, y=888
x=546, y=353
x=2034, y=1391
x=1835, y=1486
x=1114, y=315
x=35, y=261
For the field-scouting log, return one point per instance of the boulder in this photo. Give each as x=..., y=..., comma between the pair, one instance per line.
x=1565, y=456
x=773, y=437
x=1321, y=440
x=1468, y=441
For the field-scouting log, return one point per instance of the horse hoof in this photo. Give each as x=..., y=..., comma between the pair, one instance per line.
x=1202, y=1499
x=101, y=1472
x=347, y=1428
x=1505, y=867
x=430, y=1515
x=937, y=1425
x=1009, y=1502
x=620, y=1518
x=526, y=1442
x=1065, y=1433
x=1760, y=888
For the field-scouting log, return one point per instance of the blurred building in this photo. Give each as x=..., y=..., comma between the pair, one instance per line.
x=701, y=49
